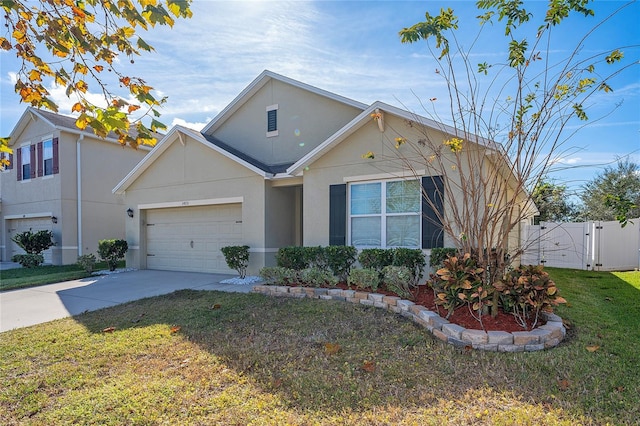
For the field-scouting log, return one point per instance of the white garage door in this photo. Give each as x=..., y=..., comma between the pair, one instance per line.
x=17, y=226
x=190, y=238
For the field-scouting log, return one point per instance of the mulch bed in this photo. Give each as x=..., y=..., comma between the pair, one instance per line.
x=424, y=296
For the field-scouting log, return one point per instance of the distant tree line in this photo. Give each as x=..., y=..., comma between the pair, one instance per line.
x=613, y=194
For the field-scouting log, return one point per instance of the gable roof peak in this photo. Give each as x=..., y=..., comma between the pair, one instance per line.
x=259, y=82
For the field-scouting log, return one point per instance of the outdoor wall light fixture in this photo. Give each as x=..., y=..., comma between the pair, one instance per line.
x=54, y=219
x=129, y=212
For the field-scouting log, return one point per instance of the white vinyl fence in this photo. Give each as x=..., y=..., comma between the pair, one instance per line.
x=598, y=246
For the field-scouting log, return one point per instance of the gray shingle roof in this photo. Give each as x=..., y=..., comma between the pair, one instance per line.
x=67, y=122
x=269, y=168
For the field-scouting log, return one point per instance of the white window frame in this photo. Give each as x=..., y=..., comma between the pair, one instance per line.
x=44, y=158
x=270, y=108
x=383, y=214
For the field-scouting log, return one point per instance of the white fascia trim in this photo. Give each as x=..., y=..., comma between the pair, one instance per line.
x=259, y=82
x=402, y=174
x=28, y=215
x=172, y=136
x=360, y=120
x=191, y=203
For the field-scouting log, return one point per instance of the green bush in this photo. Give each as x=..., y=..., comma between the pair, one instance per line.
x=439, y=255
x=364, y=278
x=87, y=262
x=379, y=259
x=237, y=257
x=277, y=275
x=29, y=260
x=399, y=279
x=375, y=259
x=34, y=242
x=317, y=277
x=340, y=259
x=111, y=251
x=412, y=259
x=293, y=257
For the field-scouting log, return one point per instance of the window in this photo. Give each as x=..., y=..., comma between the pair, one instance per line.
x=25, y=153
x=272, y=120
x=7, y=161
x=385, y=214
x=46, y=158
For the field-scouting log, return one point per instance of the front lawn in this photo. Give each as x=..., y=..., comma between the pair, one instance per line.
x=224, y=358
x=12, y=279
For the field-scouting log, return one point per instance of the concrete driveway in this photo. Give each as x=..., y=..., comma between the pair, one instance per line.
x=30, y=306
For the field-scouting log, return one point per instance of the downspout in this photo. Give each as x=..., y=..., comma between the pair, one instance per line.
x=79, y=189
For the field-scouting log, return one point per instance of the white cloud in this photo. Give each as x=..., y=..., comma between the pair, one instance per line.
x=194, y=126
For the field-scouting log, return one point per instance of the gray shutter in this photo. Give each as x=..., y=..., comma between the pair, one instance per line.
x=338, y=215
x=432, y=235
x=33, y=165
x=18, y=152
x=40, y=160
x=56, y=157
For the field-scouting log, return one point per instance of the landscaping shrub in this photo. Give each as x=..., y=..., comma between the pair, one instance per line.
x=237, y=257
x=34, y=242
x=317, y=277
x=277, y=275
x=87, y=262
x=457, y=281
x=340, y=259
x=111, y=251
x=364, y=278
x=375, y=259
x=293, y=257
x=337, y=259
x=412, y=259
x=439, y=254
x=399, y=279
x=526, y=292
x=29, y=260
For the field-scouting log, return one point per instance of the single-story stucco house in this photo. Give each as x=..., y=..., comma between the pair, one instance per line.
x=281, y=165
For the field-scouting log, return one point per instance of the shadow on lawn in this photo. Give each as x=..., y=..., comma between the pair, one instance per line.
x=333, y=356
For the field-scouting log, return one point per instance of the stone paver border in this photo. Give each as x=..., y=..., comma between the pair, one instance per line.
x=545, y=336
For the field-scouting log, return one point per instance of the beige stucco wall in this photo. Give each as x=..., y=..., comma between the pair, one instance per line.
x=190, y=173
x=305, y=120
x=344, y=163
x=104, y=164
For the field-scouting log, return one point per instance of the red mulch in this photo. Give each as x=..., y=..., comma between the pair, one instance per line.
x=424, y=296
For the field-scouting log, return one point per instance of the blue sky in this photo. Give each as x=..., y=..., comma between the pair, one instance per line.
x=352, y=48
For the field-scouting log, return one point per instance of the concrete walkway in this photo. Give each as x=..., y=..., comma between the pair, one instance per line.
x=36, y=305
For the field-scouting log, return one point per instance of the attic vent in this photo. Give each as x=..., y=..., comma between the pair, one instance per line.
x=272, y=120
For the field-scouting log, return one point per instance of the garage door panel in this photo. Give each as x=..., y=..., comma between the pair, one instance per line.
x=190, y=238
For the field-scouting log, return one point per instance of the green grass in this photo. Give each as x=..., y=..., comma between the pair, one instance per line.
x=12, y=279
x=240, y=359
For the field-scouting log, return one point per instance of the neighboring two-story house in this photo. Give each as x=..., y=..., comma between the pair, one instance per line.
x=60, y=179
x=284, y=164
